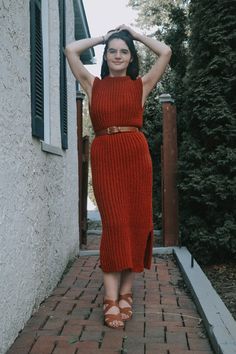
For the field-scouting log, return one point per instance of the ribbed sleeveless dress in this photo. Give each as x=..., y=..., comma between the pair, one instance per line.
x=122, y=175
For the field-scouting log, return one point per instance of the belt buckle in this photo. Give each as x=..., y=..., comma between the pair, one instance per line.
x=113, y=130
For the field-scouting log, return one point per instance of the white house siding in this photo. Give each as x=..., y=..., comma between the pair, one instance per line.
x=38, y=191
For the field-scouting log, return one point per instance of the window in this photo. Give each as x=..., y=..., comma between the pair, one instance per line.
x=45, y=123
x=37, y=86
x=63, y=82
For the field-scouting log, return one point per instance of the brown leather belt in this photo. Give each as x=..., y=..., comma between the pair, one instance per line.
x=115, y=130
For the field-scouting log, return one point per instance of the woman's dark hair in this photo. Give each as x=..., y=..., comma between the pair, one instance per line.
x=133, y=67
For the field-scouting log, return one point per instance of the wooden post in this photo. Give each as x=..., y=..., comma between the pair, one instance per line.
x=170, y=222
x=84, y=189
x=79, y=105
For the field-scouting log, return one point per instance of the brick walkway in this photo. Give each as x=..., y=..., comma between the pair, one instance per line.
x=70, y=321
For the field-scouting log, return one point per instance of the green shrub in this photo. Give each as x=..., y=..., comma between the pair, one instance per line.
x=207, y=155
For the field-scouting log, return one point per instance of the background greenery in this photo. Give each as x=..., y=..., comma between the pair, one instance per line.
x=202, y=80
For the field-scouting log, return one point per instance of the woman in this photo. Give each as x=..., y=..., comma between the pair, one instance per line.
x=120, y=160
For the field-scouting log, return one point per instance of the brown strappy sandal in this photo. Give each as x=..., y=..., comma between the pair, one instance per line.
x=109, y=318
x=126, y=312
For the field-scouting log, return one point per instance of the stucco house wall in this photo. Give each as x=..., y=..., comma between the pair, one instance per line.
x=38, y=191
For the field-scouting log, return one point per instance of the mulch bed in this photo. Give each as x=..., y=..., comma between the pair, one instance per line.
x=223, y=279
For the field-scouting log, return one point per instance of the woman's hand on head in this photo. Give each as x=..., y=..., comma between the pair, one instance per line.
x=108, y=34
x=126, y=28
x=118, y=29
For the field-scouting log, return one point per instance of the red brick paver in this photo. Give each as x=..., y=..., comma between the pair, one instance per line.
x=70, y=321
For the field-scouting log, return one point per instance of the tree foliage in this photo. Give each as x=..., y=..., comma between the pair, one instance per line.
x=207, y=180
x=171, y=18
x=154, y=13
x=202, y=80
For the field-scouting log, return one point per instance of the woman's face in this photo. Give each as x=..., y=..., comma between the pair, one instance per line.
x=118, y=57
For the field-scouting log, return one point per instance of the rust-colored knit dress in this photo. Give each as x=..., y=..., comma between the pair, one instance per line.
x=122, y=175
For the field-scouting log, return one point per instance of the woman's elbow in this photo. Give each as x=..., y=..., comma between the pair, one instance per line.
x=68, y=50
x=168, y=52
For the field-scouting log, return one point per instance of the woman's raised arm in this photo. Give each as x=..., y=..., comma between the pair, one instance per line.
x=163, y=53
x=73, y=52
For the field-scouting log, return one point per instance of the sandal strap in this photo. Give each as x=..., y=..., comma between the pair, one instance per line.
x=127, y=298
x=109, y=304
x=111, y=317
x=126, y=310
